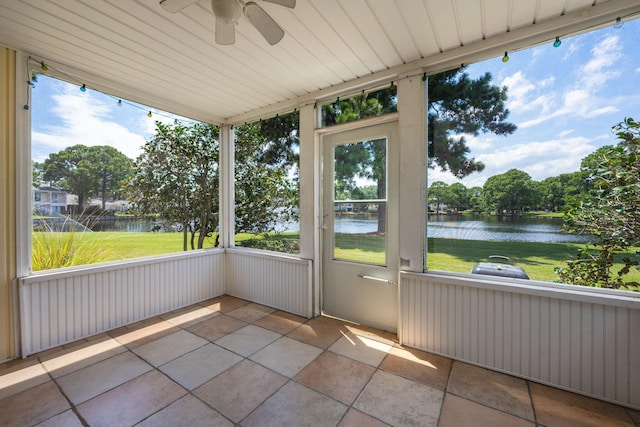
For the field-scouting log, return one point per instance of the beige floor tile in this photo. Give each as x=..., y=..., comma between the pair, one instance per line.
x=375, y=334
x=199, y=366
x=286, y=356
x=32, y=406
x=319, y=332
x=251, y=312
x=224, y=303
x=417, y=365
x=78, y=357
x=248, y=340
x=296, y=405
x=144, y=332
x=22, y=376
x=65, y=419
x=361, y=348
x=189, y=316
x=167, y=348
x=88, y=382
x=187, y=411
x=131, y=402
x=457, y=412
x=239, y=390
x=494, y=389
x=280, y=322
x=337, y=376
x=355, y=418
x=217, y=327
x=399, y=401
x=561, y=408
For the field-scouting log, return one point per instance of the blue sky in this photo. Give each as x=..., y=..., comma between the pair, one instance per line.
x=564, y=101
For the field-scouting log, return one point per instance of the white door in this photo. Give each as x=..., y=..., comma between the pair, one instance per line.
x=360, y=225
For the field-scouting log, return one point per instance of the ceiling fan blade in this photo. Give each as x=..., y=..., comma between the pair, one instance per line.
x=264, y=23
x=174, y=6
x=286, y=3
x=225, y=31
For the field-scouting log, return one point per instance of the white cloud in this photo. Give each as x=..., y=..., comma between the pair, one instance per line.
x=566, y=133
x=524, y=95
x=540, y=159
x=580, y=100
x=87, y=121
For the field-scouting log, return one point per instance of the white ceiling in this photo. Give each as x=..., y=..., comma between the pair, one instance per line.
x=136, y=50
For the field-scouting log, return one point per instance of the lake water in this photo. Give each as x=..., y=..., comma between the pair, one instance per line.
x=473, y=228
x=443, y=226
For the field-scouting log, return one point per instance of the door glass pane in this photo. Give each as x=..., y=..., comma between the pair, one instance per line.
x=360, y=204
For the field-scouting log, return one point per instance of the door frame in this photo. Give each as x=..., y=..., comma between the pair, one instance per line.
x=336, y=129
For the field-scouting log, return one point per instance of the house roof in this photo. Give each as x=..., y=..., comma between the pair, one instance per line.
x=136, y=50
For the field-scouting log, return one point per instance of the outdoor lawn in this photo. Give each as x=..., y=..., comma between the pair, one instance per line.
x=456, y=255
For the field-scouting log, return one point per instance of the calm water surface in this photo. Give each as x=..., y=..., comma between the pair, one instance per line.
x=473, y=228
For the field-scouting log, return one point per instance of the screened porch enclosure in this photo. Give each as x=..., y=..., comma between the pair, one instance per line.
x=544, y=335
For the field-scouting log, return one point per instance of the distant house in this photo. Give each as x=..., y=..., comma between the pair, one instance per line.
x=51, y=201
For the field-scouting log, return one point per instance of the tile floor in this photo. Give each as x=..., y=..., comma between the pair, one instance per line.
x=228, y=362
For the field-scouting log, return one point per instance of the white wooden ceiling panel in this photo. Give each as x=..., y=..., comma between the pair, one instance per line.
x=353, y=43
x=469, y=27
x=523, y=14
x=497, y=16
x=394, y=28
x=549, y=8
x=136, y=50
x=320, y=57
x=445, y=23
x=381, y=52
x=420, y=28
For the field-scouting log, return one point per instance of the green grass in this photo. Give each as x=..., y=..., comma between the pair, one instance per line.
x=367, y=248
x=538, y=259
x=113, y=245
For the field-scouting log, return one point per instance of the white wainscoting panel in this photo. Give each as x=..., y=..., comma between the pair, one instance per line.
x=580, y=341
x=67, y=305
x=279, y=281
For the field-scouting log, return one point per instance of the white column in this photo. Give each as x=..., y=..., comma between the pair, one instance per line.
x=412, y=104
x=308, y=202
x=227, y=193
x=310, y=198
x=23, y=167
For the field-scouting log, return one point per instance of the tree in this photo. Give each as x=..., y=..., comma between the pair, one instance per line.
x=475, y=198
x=438, y=194
x=367, y=159
x=557, y=192
x=177, y=179
x=265, y=195
x=459, y=196
x=460, y=105
x=610, y=212
x=36, y=173
x=88, y=171
x=509, y=192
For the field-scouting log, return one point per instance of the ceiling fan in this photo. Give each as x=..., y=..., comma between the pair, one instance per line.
x=228, y=12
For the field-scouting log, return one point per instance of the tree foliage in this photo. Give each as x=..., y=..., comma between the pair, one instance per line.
x=366, y=159
x=88, y=171
x=265, y=195
x=610, y=211
x=177, y=178
x=459, y=105
x=509, y=192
